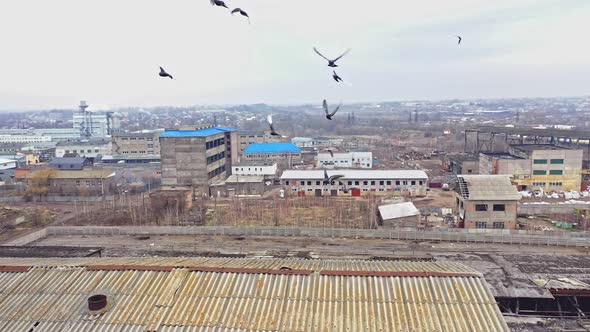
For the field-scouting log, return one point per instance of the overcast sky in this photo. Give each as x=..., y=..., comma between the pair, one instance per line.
x=57, y=52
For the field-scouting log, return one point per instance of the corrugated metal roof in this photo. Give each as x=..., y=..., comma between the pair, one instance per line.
x=53, y=298
x=488, y=187
x=196, y=133
x=272, y=148
x=398, y=210
x=356, y=174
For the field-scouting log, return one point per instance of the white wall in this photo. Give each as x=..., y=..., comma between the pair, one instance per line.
x=255, y=170
x=345, y=160
x=82, y=150
x=24, y=139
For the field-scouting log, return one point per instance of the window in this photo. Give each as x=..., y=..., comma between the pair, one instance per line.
x=286, y=183
x=302, y=183
x=317, y=183
x=413, y=183
x=481, y=224
x=421, y=182
x=294, y=189
x=405, y=183
x=556, y=172
x=540, y=161
x=372, y=183
x=309, y=183
x=150, y=146
x=381, y=183
x=498, y=225
x=95, y=151
x=356, y=183
x=397, y=183
x=481, y=207
x=557, y=161
x=388, y=183
x=150, y=139
x=499, y=207
x=381, y=189
x=365, y=183
x=67, y=151
x=539, y=172
x=350, y=183
x=538, y=184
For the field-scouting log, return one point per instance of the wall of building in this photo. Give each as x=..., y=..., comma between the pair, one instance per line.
x=84, y=150
x=345, y=160
x=283, y=160
x=398, y=187
x=490, y=219
x=246, y=138
x=566, y=162
x=410, y=222
x=24, y=139
x=136, y=145
x=265, y=170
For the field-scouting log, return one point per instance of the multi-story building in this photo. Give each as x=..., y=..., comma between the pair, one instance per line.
x=286, y=155
x=345, y=160
x=24, y=139
x=266, y=169
x=55, y=134
x=537, y=166
x=197, y=157
x=134, y=145
x=95, y=124
x=89, y=148
x=411, y=183
x=462, y=163
x=486, y=201
x=246, y=138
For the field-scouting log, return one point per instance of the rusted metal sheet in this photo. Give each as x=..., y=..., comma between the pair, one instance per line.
x=396, y=274
x=250, y=270
x=129, y=268
x=14, y=268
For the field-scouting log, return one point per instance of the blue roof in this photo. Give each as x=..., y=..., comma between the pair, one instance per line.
x=272, y=148
x=196, y=133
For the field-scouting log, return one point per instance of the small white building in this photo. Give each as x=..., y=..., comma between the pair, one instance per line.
x=84, y=148
x=345, y=160
x=399, y=215
x=7, y=164
x=266, y=169
x=24, y=139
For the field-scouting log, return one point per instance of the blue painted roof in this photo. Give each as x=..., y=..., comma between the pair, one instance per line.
x=272, y=148
x=196, y=133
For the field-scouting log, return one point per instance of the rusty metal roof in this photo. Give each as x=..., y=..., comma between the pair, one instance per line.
x=230, y=295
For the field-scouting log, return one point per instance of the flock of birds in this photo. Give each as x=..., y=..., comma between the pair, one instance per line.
x=331, y=63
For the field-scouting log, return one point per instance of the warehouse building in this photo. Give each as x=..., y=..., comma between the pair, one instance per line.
x=133, y=145
x=286, y=155
x=249, y=294
x=486, y=201
x=197, y=157
x=266, y=169
x=86, y=148
x=245, y=138
x=345, y=160
x=51, y=184
x=399, y=216
x=411, y=183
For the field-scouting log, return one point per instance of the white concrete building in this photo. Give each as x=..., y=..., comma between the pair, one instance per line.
x=411, y=183
x=345, y=160
x=96, y=124
x=24, y=139
x=267, y=170
x=84, y=148
x=55, y=134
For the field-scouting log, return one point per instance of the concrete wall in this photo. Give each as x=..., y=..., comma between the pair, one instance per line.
x=550, y=209
x=403, y=223
x=396, y=187
x=469, y=214
x=136, y=145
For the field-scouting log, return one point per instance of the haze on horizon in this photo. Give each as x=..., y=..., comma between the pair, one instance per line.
x=107, y=52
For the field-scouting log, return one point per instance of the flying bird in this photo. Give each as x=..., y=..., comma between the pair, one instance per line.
x=331, y=63
x=163, y=73
x=331, y=153
x=336, y=77
x=328, y=114
x=241, y=12
x=329, y=179
x=459, y=41
x=218, y=3
x=272, y=129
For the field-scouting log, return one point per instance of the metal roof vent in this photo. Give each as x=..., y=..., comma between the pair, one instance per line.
x=97, y=302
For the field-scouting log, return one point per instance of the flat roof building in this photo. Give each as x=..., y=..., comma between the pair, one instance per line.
x=286, y=155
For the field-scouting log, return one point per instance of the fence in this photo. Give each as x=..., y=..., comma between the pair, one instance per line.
x=566, y=239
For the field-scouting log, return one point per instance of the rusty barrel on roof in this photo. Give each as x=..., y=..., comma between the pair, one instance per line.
x=97, y=302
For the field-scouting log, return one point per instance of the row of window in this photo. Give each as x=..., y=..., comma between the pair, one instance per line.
x=365, y=183
x=241, y=169
x=149, y=139
x=81, y=151
x=88, y=183
x=216, y=172
x=140, y=152
x=484, y=207
x=552, y=184
x=484, y=224
x=214, y=143
x=544, y=172
x=551, y=161
x=215, y=157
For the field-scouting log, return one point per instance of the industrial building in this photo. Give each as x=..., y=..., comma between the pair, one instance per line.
x=412, y=183
x=345, y=160
x=486, y=201
x=197, y=157
x=95, y=124
x=86, y=148
x=251, y=294
x=46, y=184
x=246, y=138
x=24, y=139
x=70, y=163
x=286, y=155
x=465, y=163
x=266, y=169
x=132, y=145
x=55, y=134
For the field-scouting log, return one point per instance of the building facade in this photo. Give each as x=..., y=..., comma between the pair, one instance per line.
x=345, y=160
x=91, y=148
x=136, y=144
x=197, y=157
x=43, y=184
x=410, y=183
x=286, y=155
x=537, y=166
x=486, y=201
x=55, y=134
x=246, y=138
x=267, y=170
x=96, y=124
x=24, y=139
